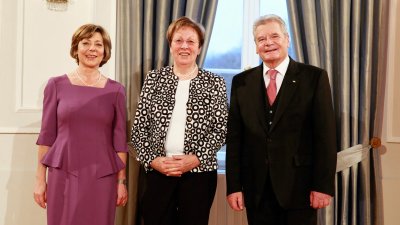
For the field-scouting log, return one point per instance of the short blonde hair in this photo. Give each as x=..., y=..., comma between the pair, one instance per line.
x=185, y=22
x=87, y=31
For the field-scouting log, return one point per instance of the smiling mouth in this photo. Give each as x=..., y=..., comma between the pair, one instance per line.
x=272, y=50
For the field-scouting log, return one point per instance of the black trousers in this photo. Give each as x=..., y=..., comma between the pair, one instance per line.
x=184, y=200
x=269, y=212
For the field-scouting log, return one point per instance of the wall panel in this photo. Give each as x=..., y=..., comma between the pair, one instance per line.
x=393, y=79
x=40, y=44
x=34, y=45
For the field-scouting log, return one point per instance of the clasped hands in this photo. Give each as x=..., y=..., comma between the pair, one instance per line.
x=175, y=165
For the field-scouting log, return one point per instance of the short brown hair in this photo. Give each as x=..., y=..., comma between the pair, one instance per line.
x=87, y=31
x=185, y=22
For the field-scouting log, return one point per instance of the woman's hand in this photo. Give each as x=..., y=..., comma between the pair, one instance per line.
x=40, y=189
x=39, y=193
x=122, y=194
x=167, y=166
x=175, y=165
x=186, y=162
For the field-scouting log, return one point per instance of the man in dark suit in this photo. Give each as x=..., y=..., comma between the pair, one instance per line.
x=281, y=143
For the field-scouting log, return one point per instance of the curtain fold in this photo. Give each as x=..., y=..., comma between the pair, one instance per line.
x=376, y=190
x=141, y=46
x=345, y=38
x=128, y=72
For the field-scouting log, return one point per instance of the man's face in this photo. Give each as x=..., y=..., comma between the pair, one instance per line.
x=271, y=43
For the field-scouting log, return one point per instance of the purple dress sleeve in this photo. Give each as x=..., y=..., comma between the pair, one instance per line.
x=48, y=131
x=119, y=129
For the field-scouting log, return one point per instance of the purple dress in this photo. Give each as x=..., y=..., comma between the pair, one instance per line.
x=85, y=127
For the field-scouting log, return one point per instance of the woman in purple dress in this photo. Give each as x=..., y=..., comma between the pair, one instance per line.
x=82, y=142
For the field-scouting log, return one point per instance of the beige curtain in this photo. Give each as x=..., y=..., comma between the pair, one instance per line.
x=142, y=46
x=346, y=38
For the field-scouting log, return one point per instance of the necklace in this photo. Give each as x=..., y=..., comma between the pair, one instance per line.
x=188, y=75
x=86, y=84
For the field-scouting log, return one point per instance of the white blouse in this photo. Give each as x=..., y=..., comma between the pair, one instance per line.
x=174, y=142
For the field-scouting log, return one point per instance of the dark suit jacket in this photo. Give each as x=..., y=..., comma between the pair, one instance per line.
x=298, y=151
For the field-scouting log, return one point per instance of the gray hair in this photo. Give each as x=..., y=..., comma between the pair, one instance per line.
x=270, y=18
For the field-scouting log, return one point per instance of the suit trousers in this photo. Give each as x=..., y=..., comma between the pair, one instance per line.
x=184, y=200
x=269, y=212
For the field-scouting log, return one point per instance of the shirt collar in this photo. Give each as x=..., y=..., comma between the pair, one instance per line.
x=281, y=68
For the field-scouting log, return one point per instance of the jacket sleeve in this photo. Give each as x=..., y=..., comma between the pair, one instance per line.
x=324, y=136
x=206, y=148
x=48, y=130
x=233, y=143
x=119, y=124
x=141, y=135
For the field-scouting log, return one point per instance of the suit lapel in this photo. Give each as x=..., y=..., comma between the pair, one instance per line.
x=287, y=91
x=257, y=94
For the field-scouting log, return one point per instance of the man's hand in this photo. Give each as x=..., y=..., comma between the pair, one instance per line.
x=319, y=200
x=236, y=201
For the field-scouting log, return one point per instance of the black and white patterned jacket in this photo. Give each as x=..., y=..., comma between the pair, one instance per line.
x=206, y=120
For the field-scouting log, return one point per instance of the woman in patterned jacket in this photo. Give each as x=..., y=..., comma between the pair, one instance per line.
x=180, y=125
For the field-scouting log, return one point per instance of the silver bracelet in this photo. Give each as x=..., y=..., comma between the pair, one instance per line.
x=121, y=181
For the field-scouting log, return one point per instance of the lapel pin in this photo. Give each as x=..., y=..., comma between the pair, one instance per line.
x=293, y=81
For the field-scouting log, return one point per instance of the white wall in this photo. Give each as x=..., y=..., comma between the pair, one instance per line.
x=390, y=150
x=34, y=45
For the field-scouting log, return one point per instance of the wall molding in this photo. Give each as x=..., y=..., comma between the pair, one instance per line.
x=391, y=67
x=103, y=13
x=19, y=130
x=1, y=13
x=20, y=62
x=19, y=57
x=20, y=78
x=28, y=78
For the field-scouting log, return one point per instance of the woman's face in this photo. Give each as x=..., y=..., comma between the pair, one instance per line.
x=185, y=46
x=91, y=51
